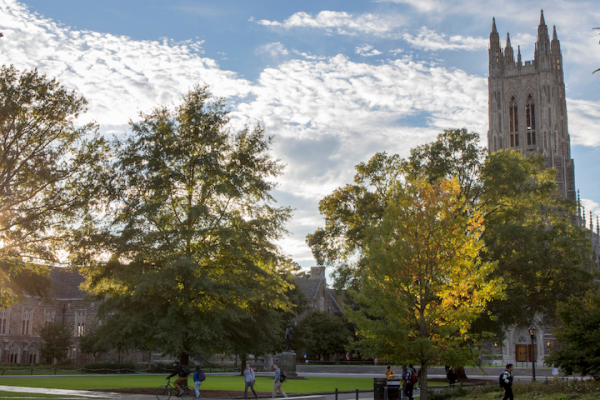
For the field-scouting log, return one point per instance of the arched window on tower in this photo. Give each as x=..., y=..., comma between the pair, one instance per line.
x=513, y=115
x=530, y=117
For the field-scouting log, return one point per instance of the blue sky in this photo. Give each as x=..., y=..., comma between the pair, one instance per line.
x=332, y=81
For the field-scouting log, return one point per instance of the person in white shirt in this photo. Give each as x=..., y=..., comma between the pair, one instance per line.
x=249, y=378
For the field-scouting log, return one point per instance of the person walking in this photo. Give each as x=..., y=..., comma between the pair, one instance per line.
x=506, y=381
x=199, y=377
x=451, y=375
x=249, y=379
x=410, y=379
x=277, y=383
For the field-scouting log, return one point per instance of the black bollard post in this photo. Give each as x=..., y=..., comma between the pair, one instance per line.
x=336, y=394
x=356, y=394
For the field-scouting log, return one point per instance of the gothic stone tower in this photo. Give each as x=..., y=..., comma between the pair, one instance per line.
x=527, y=105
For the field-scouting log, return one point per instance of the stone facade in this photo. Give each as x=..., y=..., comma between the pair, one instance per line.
x=527, y=104
x=21, y=323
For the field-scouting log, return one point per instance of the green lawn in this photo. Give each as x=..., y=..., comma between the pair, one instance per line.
x=211, y=383
x=36, y=396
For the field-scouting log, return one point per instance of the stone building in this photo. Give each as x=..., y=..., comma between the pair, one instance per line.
x=528, y=112
x=527, y=104
x=21, y=323
x=317, y=294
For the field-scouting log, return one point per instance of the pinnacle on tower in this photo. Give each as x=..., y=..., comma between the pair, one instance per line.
x=597, y=225
x=508, y=40
x=519, y=54
x=542, y=20
x=591, y=222
x=494, y=25
x=554, y=36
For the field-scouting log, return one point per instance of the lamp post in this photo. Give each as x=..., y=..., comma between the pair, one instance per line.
x=532, y=334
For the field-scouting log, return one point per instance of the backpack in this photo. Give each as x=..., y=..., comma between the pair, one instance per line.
x=185, y=371
x=501, y=380
x=282, y=376
x=414, y=377
x=201, y=376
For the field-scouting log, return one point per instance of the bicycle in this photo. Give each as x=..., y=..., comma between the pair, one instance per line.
x=165, y=392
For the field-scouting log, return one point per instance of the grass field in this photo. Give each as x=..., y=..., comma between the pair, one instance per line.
x=263, y=384
x=310, y=385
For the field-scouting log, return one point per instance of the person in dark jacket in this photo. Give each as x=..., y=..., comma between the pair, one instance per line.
x=178, y=370
x=506, y=381
x=451, y=375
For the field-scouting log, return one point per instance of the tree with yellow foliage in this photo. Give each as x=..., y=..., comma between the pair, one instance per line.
x=424, y=282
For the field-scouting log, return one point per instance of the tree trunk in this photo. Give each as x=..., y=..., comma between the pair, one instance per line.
x=184, y=358
x=423, y=380
x=461, y=375
x=243, y=358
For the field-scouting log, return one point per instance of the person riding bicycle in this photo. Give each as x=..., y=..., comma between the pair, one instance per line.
x=182, y=371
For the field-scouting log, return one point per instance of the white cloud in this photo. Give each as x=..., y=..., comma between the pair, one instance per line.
x=428, y=39
x=583, y=122
x=308, y=55
x=421, y=5
x=327, y=116
x=367, y=50
x=397, y=51
x=339, y=22
x=118, y=76
x=273, y=49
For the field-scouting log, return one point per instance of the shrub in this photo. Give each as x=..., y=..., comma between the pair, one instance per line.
x=111, y=366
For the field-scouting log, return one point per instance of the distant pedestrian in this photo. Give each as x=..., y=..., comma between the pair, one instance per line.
x=506, y=381
x=410, y=378
x=199, y=377
x=389, y=373
x=451, y=375
x=249, y=379
x=375, y=361
x=347, y=356
x=277, y=383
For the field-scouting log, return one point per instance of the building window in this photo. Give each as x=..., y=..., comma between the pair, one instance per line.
x=49, y=316
x=27, y=321
x=80, y=323
x=14, y=354
x=33, y=354
x=4, y=320
x=513, y=115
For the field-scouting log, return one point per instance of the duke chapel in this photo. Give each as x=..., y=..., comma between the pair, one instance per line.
x=527, y=104
x=528, y=112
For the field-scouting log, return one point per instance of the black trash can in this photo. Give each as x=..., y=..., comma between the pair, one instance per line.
x=379, y=385
x=394, y=389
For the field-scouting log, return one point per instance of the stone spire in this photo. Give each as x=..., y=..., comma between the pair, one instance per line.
x=554, y=36
x=583, y=209
x=597, y=225
x=519, y=55
x=508, y=51
x=494, y=30
x=591, y=223
x=543, y=39
x=495, y=51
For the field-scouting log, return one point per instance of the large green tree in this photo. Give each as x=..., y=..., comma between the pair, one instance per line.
x=179, y=242
x=541, y=255
x=579, y=336
x=320, y=334
x=56, y=339
x=44, y=156
x=424, y=282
